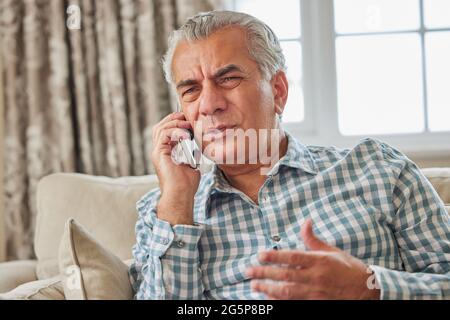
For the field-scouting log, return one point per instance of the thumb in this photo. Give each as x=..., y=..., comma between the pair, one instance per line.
x=310, y=239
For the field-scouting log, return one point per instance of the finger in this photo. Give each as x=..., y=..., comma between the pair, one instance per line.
x=312, y=242
x=182, y=124
x=172, y=120
x=168, y=136
x=173, y=116
x=165, y=150
x=284, y=291
x=167, y=140
x=295, y=258
x=279, y=274
x=176, y=123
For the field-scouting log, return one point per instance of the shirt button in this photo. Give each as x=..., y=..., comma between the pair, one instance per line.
x=180, y=244
x=276, y=238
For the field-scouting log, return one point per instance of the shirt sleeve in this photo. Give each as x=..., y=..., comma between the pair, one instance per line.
x=166, y=258
x=422, y=229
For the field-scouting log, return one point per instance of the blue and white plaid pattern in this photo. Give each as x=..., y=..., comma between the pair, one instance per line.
x=370, y=201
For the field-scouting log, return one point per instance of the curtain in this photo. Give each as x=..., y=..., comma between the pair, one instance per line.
x=80, y=99
x=2, y=229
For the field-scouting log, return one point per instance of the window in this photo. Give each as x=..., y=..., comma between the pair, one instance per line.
x=368, y=68
x=391, y=66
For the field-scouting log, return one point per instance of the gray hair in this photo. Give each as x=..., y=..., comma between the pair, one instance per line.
x=263, y=44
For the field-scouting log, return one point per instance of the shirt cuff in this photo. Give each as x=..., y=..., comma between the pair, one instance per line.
x=185, y=244
x=162, y=237
x=180, y=239
x=389, y=283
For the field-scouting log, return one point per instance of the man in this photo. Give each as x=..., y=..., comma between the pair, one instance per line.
x=322, y=223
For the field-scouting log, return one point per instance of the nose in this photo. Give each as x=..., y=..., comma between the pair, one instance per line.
x=212, y=100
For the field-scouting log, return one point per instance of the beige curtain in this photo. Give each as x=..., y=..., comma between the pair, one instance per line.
x=80, y=100
x=2, y=210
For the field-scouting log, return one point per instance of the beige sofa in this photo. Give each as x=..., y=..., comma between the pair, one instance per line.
x=106, y=208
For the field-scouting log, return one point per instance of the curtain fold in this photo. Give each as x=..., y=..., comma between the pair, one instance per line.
x=80, y=100
x=2, y=216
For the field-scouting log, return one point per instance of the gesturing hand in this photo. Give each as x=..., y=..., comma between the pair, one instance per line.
x=324, y=272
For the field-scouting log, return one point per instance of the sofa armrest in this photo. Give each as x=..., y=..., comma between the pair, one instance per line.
x=15, y=273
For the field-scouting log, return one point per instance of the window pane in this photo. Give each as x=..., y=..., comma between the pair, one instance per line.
x=283, y=16
x=294, y=110
x=438, y=80
x=379, y=84
x=437, y=13
x=376, y=15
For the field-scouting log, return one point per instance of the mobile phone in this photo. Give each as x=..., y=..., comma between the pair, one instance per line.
x=186, y=152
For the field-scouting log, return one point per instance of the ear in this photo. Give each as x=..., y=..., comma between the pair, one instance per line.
x=280, y=89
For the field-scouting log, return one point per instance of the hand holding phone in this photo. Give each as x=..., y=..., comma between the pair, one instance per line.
x=187, y=152
x=178, y=183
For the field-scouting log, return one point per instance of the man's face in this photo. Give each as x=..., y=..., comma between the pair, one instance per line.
x=221, y=87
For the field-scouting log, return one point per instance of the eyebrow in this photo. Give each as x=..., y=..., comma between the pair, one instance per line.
x=185, y=83
x=219, y=73
x=223, y=71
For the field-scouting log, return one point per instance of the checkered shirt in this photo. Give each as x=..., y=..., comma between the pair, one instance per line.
x=371, y=201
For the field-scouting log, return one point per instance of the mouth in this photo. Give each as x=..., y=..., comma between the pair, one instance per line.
x=218, y=132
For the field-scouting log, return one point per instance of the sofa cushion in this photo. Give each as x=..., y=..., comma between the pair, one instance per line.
x=15, y=273
x=440, y=179
x=47, y=289
x=90, y=271
x=106, y=207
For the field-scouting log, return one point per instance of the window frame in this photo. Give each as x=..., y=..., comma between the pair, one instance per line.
x=320, y=125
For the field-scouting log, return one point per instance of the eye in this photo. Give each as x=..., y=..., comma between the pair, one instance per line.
x=230, y=82
x=189, y=91
x=228, y=79
x=191, y=94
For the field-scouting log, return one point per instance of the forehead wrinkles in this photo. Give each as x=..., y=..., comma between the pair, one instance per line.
x=219, y=49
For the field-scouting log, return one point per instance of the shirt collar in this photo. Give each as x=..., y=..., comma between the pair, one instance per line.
x=297, y=156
